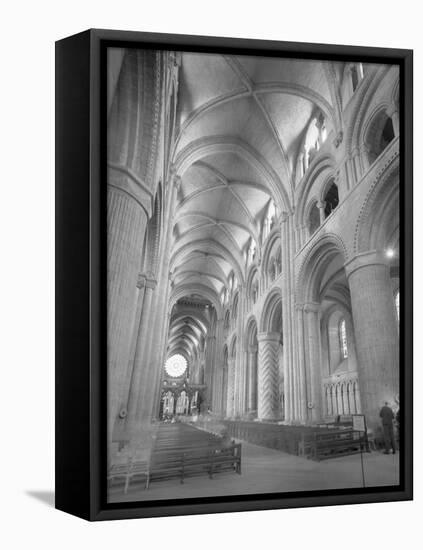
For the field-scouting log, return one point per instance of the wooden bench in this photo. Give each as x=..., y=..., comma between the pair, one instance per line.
x=185, y=463
x=334, y=443
x=128, y=470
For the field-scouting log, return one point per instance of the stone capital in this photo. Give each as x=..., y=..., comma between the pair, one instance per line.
x=284, y=216
x=321, y=204
x=365, y=259
x=269, y=337
x=311, y=307
x=141, y=280
x=150, y=283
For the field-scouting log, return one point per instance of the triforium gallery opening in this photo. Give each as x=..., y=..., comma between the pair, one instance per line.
x=252, y=274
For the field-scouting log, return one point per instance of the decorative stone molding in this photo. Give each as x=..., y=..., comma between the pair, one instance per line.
x=385, y=166
x=311, y=307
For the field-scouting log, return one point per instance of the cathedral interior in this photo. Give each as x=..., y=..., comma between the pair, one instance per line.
x=253, y=263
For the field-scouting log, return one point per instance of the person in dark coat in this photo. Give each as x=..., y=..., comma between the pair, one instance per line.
x=387, y=416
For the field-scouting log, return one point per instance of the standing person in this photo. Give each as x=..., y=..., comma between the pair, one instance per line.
x=387, y=416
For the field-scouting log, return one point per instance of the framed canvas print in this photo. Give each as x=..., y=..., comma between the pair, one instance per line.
x=234, y=275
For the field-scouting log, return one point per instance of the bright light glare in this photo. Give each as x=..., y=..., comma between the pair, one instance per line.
x=176, y=365
x=390, y=253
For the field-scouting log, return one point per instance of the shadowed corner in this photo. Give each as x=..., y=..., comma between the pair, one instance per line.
x=46, y=497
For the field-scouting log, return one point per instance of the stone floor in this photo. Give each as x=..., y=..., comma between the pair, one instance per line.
x=267, y=470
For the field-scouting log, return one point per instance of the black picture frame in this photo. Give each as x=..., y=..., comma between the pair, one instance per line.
x=81, y=285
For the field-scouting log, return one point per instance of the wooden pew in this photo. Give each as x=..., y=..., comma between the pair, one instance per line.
x=183, y=451
x=334, y=443
x=183, y=463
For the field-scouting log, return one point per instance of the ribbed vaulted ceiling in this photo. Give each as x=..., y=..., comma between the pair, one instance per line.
x=241, y=122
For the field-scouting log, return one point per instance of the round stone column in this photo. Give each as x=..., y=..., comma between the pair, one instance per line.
x=126, y=223
x=376, y=332
x=141, y=373
x=268, y=373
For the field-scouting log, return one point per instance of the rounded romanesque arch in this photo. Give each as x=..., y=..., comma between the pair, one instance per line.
x=315, y=179
x=360, y=115
x=377, y=133
x=271, y=318
x=271, y=261
x=314, y=265
x=379, y=214
x=185, y=290
x=253, y=285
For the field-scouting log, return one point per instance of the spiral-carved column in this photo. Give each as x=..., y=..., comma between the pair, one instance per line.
x=268, y=373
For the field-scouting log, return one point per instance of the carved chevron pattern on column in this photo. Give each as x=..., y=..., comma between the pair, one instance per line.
x=268, y=380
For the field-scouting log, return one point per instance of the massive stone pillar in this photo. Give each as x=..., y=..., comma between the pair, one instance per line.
x=376, y=333
x=140, y=370
x=126, y=226
x=311, y=315
x=268, y=373
x=252, y=379
x=134, y=128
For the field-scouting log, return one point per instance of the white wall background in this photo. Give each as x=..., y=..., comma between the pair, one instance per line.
x=28, y=32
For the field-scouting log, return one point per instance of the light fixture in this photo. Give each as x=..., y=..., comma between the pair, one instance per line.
x=390, y=253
